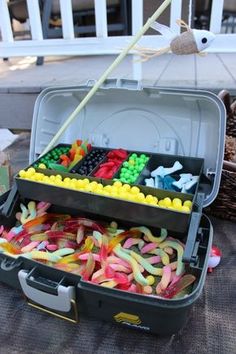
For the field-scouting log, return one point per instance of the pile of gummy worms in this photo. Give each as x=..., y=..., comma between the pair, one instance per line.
x=133, y=260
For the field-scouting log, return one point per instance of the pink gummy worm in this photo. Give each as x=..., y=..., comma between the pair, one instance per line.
x=175, y=240
x=165, y=280
x=30, y=246
x=119, y=268
x=52, y=247
x=84, y=257
x=1, y=229
x=175, y=278
x=149, y=247
x=10, y=235
x=131, y=242
x=153, y=259
x=114, y=259
x=132, y=288
x=97, y=274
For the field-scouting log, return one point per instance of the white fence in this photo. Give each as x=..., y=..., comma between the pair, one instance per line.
x=102, y=43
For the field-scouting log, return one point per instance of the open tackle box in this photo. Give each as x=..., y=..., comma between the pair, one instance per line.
x=167, y=125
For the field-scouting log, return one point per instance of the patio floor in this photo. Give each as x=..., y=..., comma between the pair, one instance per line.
x=21, y=80
x=213, y=71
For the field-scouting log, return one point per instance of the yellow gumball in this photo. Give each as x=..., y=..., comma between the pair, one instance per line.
x=149, y=198
x=108, y=188
x=140, y=197
x=42, y=166
x=167, y=201
x=31, y=170
x=188, y=203
x=134, y=190
x=22, y=173
x=126, y=187
x=67, y=180
x=177, y=202
x=185, y=209
x=117, y=184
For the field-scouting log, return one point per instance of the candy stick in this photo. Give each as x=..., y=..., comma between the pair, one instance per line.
x=117, y=61
x=146, y=265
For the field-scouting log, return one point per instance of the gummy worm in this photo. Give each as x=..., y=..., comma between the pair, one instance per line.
x=149, y=247
x=180, y=251
x=47, y=256
x=165, y=280
x=164, y=256
x=134, y=265
x=150, y=236
x=146, y=265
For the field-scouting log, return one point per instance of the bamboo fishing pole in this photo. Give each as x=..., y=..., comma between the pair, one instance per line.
x=116, y=62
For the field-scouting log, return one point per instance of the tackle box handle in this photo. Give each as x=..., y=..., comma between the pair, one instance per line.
x=3, y=199
x=10, y=202
x=61, y=302
x=191, y=247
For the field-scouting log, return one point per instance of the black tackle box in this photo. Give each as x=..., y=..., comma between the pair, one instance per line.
x=166, y=124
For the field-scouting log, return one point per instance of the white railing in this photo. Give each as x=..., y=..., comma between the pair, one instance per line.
x=102, y=43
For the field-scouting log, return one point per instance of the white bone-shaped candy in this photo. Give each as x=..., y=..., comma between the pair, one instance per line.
x=164, y=171
x=187, y=186
x=184, y=178
x=149, y=182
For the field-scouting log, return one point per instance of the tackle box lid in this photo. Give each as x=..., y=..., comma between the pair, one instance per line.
x=125, y=114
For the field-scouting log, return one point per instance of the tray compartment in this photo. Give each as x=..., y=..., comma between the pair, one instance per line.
x=144, y=214
x=146, y=313
x=190, y=165
x=89, y=163
x=110, y=159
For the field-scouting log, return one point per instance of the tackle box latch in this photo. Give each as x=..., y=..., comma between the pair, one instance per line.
x=48, y=295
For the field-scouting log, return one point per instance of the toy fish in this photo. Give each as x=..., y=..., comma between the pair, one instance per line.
x=189, y=42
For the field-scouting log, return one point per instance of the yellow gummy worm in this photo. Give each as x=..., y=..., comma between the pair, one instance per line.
x=147, y=266
x=164, y=256
x=134, y=265
x=109, y=284
x=180, y=252
x=42, y=255
x=150, y=236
